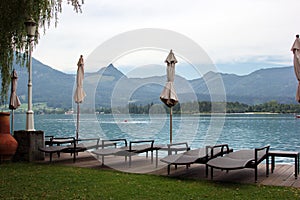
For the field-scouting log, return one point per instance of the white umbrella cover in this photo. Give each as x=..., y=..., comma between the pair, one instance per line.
x=14, y=101
x=296, y=51
x=168, y=95
x=79, y=92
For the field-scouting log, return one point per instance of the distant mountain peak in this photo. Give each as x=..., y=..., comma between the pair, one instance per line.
x=111, y=70
x=210, y=75
x=110, y=66
x=56, y=88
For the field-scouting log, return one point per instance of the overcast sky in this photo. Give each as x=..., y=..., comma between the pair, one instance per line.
x=231, y=32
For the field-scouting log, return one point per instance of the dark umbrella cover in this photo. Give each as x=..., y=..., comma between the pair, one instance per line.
x=168, y=95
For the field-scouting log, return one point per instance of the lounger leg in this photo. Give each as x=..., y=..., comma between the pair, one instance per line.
x=206, y=171
x=272, y=163
x=298, y=164
x=267, y=167
x=255, y=174
x=169, y=166
x=50, y=157
x=296, y=167
x=151, y=156
x=211, y=172
x=102, y=160
x=74, y=157
x=156, y=159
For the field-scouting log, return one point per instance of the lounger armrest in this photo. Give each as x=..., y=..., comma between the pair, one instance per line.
x=224, y=146
x=259, y=158
x=267, y=147
x=88, y=143
x=178, y=144
x=140, y=141
x=89, y=139
x=114, y=140
x=224, y=149
x=62, y=140
x=48, y=141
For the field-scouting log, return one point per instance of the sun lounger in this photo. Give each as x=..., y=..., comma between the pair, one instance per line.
x=71, y=145
x=61, y=145
x=135, y=147
x=241, y=159
x=175, y=147
x=200, y=156
x=92, y=143
x=142, y=146
x=111, y=151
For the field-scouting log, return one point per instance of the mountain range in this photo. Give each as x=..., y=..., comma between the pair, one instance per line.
x=110, y=87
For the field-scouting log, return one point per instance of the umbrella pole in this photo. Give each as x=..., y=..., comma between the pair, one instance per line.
x=171, y=124
x=12, y=121
x=77, y=125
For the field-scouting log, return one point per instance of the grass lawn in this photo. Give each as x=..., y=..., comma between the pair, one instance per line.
x=41, y=181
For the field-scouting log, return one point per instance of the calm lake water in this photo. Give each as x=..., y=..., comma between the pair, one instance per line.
x=281, y=131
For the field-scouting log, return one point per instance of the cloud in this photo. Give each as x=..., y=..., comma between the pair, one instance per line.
x=226, y=30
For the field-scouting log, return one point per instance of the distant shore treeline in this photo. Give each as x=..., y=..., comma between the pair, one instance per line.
x=206, y=107
x=180, y=108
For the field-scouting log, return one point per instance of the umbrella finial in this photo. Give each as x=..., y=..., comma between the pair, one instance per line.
x=14, y=74
x=296, y=45
x=80, y=61
x=171, y=58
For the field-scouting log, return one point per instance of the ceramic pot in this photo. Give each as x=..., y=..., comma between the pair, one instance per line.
x=8, y=144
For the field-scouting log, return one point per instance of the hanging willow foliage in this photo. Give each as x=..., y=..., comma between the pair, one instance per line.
x=13, y=43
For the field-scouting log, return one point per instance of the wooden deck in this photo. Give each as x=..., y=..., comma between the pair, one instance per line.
x=283, y=174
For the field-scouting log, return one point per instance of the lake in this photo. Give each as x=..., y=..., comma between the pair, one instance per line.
x=240, y=131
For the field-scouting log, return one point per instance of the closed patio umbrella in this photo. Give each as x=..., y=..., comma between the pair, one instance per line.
x=296, y=52
x=168, y=95
x=79, y=92
x=14, y=101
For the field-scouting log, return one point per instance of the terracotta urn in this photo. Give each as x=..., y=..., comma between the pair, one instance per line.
x=8, y=144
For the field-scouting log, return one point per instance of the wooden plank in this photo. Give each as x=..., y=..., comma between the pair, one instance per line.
x=283, y=174
x=276, y=177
